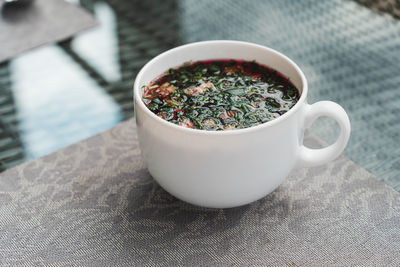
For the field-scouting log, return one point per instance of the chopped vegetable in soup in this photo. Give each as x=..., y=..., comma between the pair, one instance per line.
x=220, y=95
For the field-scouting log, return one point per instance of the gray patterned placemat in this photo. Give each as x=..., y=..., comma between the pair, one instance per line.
x=94, y=203
x=24, y=27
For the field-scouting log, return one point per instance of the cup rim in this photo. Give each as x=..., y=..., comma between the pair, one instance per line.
x=140, y=104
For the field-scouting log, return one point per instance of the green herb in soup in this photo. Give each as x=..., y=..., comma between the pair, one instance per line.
x=220, y=95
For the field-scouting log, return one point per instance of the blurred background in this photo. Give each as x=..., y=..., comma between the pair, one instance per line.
x=61, y=93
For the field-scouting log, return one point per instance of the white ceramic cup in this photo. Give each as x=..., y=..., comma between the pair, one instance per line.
x=222, y=169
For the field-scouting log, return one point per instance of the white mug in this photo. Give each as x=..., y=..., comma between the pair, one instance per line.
x=223, y=169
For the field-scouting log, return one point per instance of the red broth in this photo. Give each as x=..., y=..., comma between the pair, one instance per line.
x=220, y=94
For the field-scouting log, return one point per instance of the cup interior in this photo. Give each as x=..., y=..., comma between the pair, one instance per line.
x=214, y=50
x=221, y=50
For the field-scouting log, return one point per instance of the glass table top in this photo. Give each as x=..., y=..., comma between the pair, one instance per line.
x=58, y=94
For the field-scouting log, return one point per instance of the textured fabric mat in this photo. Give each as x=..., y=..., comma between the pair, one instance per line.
x=95, y=204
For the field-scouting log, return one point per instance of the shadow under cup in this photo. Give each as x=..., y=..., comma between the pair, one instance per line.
x=222, y=169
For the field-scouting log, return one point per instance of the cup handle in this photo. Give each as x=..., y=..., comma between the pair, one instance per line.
x=313, y=157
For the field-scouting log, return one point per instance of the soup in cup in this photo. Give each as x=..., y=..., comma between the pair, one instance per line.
x=218, y=168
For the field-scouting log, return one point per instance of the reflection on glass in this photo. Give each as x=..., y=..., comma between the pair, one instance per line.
x=99, y=46
x=57, y=102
